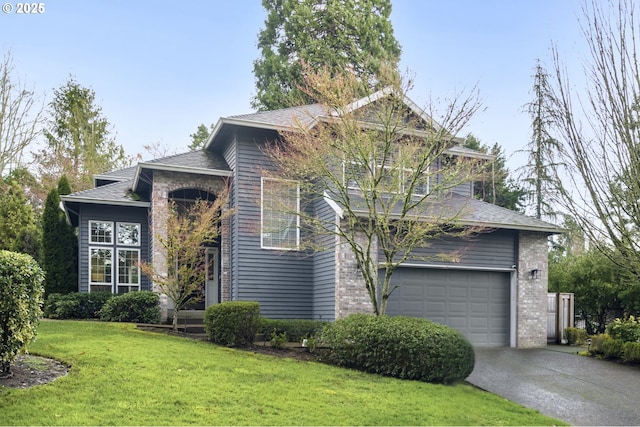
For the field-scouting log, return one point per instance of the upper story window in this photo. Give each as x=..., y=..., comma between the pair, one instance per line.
x=391, y=177
x=101, y=232
x=280, y=219
x=128, y=234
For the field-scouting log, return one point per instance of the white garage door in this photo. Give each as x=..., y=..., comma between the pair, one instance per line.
x=477, y=303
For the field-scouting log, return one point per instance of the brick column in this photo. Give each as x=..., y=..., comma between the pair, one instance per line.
x=351, y=295
x=531, y=322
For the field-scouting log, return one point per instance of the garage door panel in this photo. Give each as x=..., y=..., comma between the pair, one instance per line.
x=477, y=303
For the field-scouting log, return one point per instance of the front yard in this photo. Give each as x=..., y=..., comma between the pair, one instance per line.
x=123, y=376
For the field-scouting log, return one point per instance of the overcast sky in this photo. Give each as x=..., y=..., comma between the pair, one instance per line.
x=160, y=68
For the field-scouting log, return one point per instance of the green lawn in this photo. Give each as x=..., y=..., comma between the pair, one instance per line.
x=123, y=376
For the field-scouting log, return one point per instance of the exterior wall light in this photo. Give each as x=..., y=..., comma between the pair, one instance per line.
x=535, y=273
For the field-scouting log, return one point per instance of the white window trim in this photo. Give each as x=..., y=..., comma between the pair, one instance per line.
x=136, y=224
x=117, y=267
x=113, y=231
x=297, y=219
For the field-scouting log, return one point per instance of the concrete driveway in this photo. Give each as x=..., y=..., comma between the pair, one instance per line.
x=578, y=390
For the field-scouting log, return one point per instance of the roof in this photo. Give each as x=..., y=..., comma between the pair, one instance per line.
x=118, y=193
x=306, y=117
x=466, y=211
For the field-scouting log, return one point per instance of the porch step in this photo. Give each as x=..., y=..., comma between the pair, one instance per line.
x=191, y=321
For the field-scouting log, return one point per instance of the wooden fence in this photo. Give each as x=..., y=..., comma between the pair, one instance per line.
x=560, y=316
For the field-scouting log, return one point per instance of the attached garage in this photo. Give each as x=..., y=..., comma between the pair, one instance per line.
x=477, y=303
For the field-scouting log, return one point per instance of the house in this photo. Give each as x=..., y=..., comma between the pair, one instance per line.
x=496, y=293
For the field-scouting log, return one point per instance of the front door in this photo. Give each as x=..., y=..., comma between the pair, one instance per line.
x=211, y=288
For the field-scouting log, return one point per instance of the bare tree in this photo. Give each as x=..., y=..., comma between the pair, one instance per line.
x=181, y=274
x=377, y=165
x=21, y=117
x=599, y=135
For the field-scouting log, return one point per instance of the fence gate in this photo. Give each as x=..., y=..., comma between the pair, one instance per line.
x=560, y=316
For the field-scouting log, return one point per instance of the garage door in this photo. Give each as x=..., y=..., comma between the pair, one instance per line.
x=477, y=303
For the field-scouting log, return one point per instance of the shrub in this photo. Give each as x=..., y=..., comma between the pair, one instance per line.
x=140, y=307
x=232, y=323
x=627, y=330
x=597, y=343
x=631, y=352
x=21, y=292
x=279, y=340
x=402, y=347
x=576, y=336
x=612, y=348
x=296, y=329
x=77, y=305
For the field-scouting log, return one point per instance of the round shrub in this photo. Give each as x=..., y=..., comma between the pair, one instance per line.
x=139, y=307
x=232, y=323
x=21, y=292
x=402, y=347
x=627, y=330
x=631, y=352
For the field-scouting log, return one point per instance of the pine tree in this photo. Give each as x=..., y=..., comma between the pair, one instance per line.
x=354, y=35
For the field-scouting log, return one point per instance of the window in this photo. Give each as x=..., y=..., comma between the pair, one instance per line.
x=101, y=232
x=128, y=234
x=101, y=269
x=280, y=220
x=128, y=270
x=113, y=263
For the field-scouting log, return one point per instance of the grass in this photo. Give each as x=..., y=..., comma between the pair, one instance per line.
x=122, y=376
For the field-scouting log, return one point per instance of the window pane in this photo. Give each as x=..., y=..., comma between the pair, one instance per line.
x=128, y=267
x=279, y=214
x=128, y=234
x=101, y=232
x=100, y=265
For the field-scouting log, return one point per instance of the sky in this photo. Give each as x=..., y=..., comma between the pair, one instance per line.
x=160, y=68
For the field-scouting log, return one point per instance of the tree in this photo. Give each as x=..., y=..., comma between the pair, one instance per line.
x=354, y=35
x=20, y=117
x=378, y=165
x=599, y=138
x=59, y=244
x=538, y=173
x=497, y=186
x=79, y=142
x=16, y=214
x=180, y=276
x=199, y=138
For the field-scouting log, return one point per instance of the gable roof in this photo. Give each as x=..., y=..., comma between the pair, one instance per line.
x=307, y=116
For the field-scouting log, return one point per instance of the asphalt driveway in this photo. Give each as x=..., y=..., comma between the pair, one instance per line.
x=578, y=390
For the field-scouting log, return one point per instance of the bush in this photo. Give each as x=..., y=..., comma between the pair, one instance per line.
x=612, y=348
x=631, y=352
x=232, y=323
x=402, y=347
x=576, y=336
x=597, y=343
x=139, y=306
x=627, y=330
x=295, y=329
x=21, y=292
x=76, y=305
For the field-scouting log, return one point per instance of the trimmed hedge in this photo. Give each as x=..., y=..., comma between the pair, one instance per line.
x=21, y=292
x=402, y=347
x=232, y=323
x=139, y=307
x=76, y=305
x=295, y=329
x=576, y=336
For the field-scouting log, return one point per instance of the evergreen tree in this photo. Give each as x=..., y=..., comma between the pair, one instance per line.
x=199, y=138
x=354, y=35
x=497, y=187
x=16, y=214
x=79, y=142
x=60, y=245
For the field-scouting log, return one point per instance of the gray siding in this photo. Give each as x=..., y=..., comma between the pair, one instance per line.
x=91, y=212
x=324, y=276
x=281, y=281
x=230, y=155
x=492, y=250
